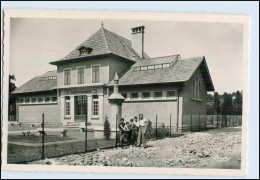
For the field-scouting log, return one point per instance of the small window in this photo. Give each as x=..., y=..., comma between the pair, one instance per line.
x=81, y=75
x=67, y=77
x=67, y=108
x=27, y=100
x=134, y=95
x=54, y=99
x=146, y=95
x=67, y=98
x=171, y=94
x=40, y=99
x=33, y=100
x=47, y=99
x=136, y=69
x=157, y=94
x=143, y=68
x=95, y=74
x=150, y=67
x=124, y=95
x=166, y=65
x=54, y=77
x=85, y=51
x=158, y=66
x=95, y=105
x=21, y=100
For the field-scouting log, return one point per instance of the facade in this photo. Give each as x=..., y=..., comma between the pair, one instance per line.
x=84, y=80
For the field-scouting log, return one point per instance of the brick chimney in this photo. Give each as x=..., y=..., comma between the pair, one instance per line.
x=138, y=40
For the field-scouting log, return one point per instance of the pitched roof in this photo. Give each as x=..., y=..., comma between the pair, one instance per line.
x=37, y=85
x=181, y=71
x=104, y=42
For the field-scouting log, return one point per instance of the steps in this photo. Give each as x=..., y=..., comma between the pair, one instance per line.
x=75, y=124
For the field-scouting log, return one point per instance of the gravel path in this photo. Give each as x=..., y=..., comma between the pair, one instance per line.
x=218, y=148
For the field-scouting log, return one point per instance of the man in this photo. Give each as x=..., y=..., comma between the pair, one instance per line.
x=121, y=128
x=142, y=128
x=136, y=129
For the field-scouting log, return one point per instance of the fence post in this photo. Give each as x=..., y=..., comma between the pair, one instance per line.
x=156, y=128
x=217, y=120
x=190, y=123
x=199, y=122
x=170, y=125
x=43, y=135
x=86, y=134
x=116, y=129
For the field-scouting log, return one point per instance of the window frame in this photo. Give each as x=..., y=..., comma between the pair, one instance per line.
x=131, y=97
x=99, y=78
x=175, y=92
x=95, y=106
x=83, y=77
x=154, y=96
x=145, y=93
x=67, y=110
x=70, y=70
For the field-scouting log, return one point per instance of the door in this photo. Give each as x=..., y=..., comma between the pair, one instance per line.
x=81, y=108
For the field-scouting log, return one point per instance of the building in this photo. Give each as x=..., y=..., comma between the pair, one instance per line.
x=83, y=82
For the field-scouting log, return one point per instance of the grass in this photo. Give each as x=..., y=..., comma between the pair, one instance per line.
x=36, y=139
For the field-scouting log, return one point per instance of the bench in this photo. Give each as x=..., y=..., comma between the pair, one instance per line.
x=16, y=123
x=63, y=132
x=35, y=124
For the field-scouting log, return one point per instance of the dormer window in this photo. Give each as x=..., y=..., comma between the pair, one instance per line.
x=85, y=50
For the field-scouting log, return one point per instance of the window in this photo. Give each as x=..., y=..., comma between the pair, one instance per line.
x=150, y=67
x=85, y=51
x=80, y=75
x=124, y=95
x=27, y=100
x=33, y=100
x=143, y=68
x=67, y=77
x=134, y=95
x=40, y=99
x=81, y=104
x=54, y=99
x=158, y=66
x=157, y=94
x=196, y=88
x=146, y=95
x=67, y=105
x=67, y=110
x=95, y=105
x=171, y=94
x=47, y=99
x=166, y=65
x=21, y=100
x=95, y=74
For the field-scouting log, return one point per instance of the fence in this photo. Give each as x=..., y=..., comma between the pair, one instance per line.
x=48, y=141
x=29, y=142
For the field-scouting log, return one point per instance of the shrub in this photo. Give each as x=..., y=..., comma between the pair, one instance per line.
x=150, y=131
x=107, y=129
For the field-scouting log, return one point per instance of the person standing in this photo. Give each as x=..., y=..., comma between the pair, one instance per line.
x=142, y=128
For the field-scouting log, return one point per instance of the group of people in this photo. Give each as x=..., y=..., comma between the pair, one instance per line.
x=135, y=130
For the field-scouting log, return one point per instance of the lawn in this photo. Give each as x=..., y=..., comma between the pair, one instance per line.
x=36, y=139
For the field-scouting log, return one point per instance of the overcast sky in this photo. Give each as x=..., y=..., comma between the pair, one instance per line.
x=36, y=42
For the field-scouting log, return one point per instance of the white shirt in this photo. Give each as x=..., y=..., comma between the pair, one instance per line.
x=143, y=122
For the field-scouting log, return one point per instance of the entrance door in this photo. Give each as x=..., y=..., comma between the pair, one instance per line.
x=81, y=108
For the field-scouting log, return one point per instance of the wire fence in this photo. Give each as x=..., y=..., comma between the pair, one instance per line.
x=42, y=140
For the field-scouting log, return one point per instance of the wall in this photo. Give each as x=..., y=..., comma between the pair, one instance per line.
x=197, y=108
x=32, y=112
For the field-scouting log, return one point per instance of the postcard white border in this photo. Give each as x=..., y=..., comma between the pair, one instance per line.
x=116, y=15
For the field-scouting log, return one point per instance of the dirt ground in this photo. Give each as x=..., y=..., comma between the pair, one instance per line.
x=217, y=148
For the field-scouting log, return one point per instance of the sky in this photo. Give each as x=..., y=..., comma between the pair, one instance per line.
x=35, y=42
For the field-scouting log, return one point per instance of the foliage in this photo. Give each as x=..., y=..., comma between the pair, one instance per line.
x=12, y=106
x=107, y=129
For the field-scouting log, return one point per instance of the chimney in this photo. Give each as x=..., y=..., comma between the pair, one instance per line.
x=138, y=40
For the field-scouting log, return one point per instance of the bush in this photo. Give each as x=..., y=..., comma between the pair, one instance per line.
x=107, y=129
x=162, y=131
x=150, y=131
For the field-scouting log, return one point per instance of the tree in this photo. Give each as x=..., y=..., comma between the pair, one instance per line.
x=12, y=105
x=216, y=101
x=238, y=102
x=210, y=104
x=227, y=105
x=107, y=129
